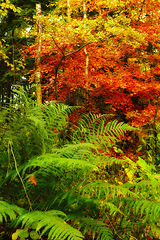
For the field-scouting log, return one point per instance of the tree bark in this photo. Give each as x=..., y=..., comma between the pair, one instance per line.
x=38, y=55
x=85, y=50
x=155, y=134
x=68, y=10
x=85, y=92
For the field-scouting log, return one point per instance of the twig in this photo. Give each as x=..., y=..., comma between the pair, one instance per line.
x=78, y=49
x=57, y=46
x=15, y=163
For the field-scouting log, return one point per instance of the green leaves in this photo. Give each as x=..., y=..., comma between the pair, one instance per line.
x=51, y=223
x=80, y=191
x=8, y=210
x=148, y=209
x=96, y=129
x=94, y=227
x=20, y=233
x=105, y=190
x=71, y=157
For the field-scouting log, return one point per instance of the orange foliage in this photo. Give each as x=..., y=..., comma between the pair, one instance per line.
x=32, y=180
x=124, y=70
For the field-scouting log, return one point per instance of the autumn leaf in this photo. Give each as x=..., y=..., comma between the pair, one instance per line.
x=32, y=180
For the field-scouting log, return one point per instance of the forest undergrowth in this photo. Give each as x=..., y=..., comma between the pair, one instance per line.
x=96, y=179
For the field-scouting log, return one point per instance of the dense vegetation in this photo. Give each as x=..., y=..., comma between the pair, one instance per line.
x=84, y=163
x=63, y=181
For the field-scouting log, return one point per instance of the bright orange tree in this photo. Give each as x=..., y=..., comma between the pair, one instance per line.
x=123, y=44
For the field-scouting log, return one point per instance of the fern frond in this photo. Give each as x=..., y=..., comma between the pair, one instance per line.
x=51, y=223
x=24, y=98
x=70, y=157
x=8, y=210
x=49, y=161
x=95, y=129
x=149, y=209
x=119, y=161
x=110, y=206
x=77, y=151
x=104, y=190
x=149, y=186
x=91, y=226
x=112, y=131
x=87, y=123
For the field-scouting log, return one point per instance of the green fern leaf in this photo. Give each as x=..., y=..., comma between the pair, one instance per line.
x=49, y=161
x=51, y=223
x=149, y=209
x=91, y=226
x=8, y=210
x=113, y=210
x=105, y=189
x=94, y=129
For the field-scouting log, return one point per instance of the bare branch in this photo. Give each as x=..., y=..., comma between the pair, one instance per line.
x=77, y=49
x=57, y=46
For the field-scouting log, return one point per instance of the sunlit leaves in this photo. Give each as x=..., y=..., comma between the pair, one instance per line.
x=5, y=6
x=123, y=54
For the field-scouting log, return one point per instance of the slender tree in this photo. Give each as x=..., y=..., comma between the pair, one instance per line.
x=38, y=55
x=85, y=50
x=68, y=10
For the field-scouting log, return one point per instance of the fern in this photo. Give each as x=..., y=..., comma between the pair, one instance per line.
x=149, y=209
x=71, y=179
x=50, y=161
x=104, y=190
x=110, y=206
x=95, y=129
x=8, y=210
x=90, y=226
x=50, y=223
x=39, y=128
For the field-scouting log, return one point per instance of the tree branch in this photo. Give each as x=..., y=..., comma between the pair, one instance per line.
x=63, y=57
x=57, y=46
x=78, y=49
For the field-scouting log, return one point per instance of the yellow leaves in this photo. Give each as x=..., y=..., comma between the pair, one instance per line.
x=97, y=28
x=130, y=174
x=4, y=56
x=15, y=235
x=4, y=6
x=110, y=4
x=2, y=51
x=20, y=234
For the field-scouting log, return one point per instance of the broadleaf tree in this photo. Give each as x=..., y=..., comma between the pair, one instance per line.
x=122, y=40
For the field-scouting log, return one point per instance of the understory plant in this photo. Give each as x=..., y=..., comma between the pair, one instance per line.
x=76, y=189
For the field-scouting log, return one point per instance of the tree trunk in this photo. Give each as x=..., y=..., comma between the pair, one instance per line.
x=68, y=10
x=85, y=50
x=38, y=55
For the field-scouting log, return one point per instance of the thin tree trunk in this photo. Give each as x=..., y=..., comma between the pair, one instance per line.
x=38, y=55
x=8, y=91
x=87, y=61
x=68, y=10
x=85, y=50
x=155, y=134
x=13, y=62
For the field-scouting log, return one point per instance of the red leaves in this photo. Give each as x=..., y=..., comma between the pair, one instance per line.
x=124, y=58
